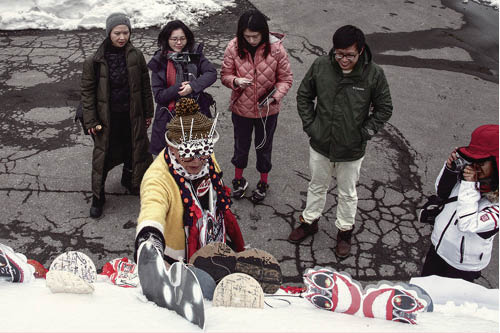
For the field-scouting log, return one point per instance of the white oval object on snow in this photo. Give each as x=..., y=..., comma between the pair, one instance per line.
x=239, y=290
x=72, y=272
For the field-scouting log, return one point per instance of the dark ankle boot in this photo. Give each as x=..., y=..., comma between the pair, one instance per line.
x=127, y=182
x=303, y=230
x=343, y=247
x=97, y=205
x=126, y=178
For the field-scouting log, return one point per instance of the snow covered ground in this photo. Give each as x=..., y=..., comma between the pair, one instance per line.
x=493, y=3
x=31, y=307
x=77, y=14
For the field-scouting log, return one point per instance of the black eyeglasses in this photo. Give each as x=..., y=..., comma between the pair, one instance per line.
x=348, y=56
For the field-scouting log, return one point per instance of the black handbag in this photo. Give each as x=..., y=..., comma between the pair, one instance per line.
x=432, y=208
x=207, y=104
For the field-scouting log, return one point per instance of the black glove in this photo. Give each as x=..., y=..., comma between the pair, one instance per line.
x=149, y=234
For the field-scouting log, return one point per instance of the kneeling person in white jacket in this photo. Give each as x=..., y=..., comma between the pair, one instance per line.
x=462, y=239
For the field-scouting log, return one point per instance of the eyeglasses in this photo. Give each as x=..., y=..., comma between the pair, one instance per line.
x=349, y=56
x=175, y=39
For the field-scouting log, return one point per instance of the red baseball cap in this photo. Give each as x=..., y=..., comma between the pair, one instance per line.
x=483, y=143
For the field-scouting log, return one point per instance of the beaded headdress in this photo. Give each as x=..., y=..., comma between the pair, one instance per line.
x=190, y=132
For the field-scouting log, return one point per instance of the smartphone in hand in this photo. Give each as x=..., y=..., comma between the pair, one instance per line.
x=263, y=99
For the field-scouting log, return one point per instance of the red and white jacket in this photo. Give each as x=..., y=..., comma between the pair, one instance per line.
x=464, y=230
x=273, y=70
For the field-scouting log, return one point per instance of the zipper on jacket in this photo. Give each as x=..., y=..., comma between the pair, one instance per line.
x=462, y=249
x=255, y=98
x=445, y=228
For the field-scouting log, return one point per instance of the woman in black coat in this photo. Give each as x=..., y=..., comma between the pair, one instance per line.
x=179, y=69
x=117, y=109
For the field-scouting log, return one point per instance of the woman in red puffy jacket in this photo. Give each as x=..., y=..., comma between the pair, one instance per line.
x=257, y=69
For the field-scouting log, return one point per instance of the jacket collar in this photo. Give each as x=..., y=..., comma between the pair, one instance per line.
x=99, y=54
x=274, y=37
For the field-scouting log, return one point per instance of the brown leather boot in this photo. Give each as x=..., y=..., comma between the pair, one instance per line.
x=343, y=247
x=303, y=230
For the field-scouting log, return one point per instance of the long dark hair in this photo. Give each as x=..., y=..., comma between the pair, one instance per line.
x=255, y=21
x=167, y=31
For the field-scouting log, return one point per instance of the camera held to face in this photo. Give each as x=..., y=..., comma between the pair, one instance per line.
x=459, y=164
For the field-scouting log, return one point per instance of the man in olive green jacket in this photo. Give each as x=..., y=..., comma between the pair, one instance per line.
x=352, y=103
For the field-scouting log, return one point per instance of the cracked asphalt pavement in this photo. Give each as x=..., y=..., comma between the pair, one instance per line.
x=441, y=60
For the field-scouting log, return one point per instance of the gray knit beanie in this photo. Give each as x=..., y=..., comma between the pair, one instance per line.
x=117, y=19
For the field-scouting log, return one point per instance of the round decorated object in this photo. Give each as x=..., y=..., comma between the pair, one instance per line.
x=262, y=266
x=71, y=272
x=239, y=290
x=77, y=263
x=217, y=259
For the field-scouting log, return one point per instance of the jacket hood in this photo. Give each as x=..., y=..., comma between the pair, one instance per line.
x=367, y=54
x=275, y=37
x=155, y=62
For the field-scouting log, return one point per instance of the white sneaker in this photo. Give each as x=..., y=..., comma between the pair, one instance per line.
x=14, y=267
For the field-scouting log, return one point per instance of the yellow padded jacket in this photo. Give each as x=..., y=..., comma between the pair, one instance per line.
x=161, y=206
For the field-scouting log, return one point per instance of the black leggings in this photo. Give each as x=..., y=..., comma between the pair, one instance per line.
x=243, y=128
x=435, y=265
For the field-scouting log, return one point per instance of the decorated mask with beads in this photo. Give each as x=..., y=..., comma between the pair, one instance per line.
x=192, y=133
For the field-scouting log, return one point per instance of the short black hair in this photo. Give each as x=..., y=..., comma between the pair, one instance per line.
x=255, y=21
x=167, y=31
x=348, y=35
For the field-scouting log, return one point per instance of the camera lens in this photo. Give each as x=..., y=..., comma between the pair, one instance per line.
x=458, y=165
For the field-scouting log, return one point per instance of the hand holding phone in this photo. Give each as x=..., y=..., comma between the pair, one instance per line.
x=267, y=97
x=243, y=82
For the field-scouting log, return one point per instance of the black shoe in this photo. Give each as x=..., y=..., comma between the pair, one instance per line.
x=239, y=187
x=126, y=182
x=343, y=248
x=133, y=190
x=97, y=206
x=95, y=212
x=260, y=191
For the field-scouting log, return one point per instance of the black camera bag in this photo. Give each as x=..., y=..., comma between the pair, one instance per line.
x=432, y=208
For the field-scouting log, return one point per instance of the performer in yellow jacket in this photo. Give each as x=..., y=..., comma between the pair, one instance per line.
x=184, y=203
